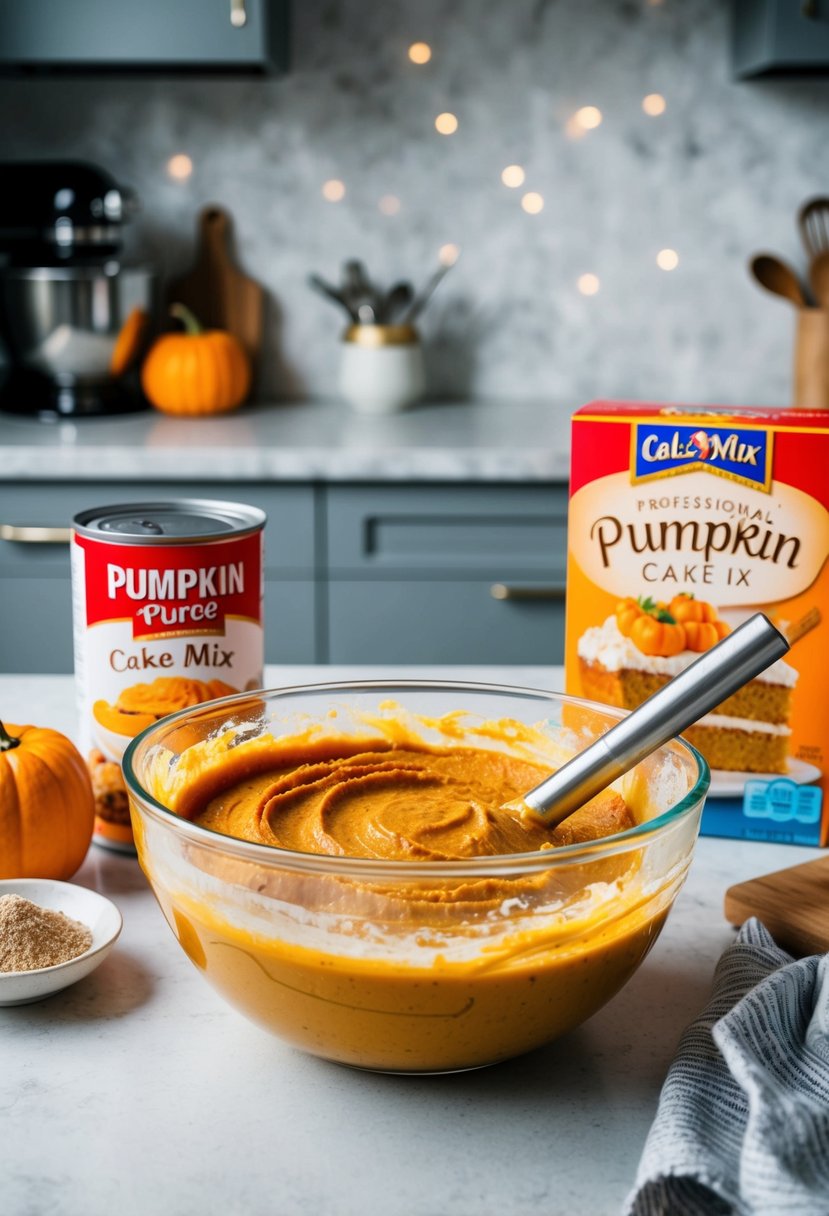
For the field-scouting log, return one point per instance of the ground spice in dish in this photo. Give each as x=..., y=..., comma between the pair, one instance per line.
x=32, y=937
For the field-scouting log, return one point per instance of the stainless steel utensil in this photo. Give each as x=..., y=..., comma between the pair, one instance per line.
x=819, y=278
x=359, y=292
x=813, y=222
x=696, y=691
x=422, y=299
x=778, y=277
x=331, y=293
x=398, y=298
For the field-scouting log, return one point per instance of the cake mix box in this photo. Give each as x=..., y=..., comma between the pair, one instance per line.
x=684, y=521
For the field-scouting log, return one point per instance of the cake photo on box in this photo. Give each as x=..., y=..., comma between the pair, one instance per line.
x=638, y=649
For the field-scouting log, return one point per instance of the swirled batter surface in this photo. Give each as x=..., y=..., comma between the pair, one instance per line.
x=377, y=799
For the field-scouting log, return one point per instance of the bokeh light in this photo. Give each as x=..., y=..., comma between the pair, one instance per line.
x=532, y=202
x=513, y=176
x=333, y=190
x=389, y=204
x=420, y=52
x=654, y=104
x=588, y=118
x=446, y=123
x=180, y=167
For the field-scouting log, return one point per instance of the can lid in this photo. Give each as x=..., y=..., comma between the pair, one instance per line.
x=177, y=521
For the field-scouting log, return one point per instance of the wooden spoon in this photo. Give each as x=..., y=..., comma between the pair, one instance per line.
x=778, y=277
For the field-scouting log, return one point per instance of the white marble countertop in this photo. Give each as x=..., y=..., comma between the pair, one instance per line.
x=138, y=1090
x=506, y=441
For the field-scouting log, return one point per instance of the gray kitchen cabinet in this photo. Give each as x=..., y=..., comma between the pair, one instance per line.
x=442, y=621
x=160, y=35
x=445, y=574
x=35, y=579
x=780, y=37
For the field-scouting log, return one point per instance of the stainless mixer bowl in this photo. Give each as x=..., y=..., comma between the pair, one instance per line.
x=64, y=321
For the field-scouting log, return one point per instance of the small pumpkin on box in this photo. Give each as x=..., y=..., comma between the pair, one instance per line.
x=196, y=371
x=47, y=808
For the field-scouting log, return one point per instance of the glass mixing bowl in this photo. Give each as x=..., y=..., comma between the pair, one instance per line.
x=409, y=966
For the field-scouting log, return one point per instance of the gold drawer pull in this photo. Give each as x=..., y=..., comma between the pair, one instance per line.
x=30, y=535
x=502, y=591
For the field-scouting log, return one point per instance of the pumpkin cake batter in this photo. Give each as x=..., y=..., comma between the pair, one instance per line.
x=408, y=803
x=420, y=974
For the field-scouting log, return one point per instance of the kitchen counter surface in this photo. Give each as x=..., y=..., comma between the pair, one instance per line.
x=138, y=1090
x=500, y=441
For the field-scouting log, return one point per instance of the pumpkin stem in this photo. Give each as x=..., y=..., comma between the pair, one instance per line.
x=187, y=317
x=7, y=741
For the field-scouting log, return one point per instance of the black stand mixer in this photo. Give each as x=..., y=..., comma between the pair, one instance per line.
x=73, y=318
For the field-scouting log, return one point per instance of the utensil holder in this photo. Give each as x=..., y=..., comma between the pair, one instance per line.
x=381, y=368
x=811, y=359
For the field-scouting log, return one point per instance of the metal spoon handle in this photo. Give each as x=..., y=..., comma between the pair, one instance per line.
x=420, y=301
x=697, y=690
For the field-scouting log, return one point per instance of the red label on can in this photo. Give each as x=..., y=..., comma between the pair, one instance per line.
x=169, y=591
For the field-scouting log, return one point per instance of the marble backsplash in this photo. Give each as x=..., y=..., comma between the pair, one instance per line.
x=716, y=177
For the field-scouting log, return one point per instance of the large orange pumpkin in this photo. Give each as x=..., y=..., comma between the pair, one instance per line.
x=47, y=808
x=198, y=371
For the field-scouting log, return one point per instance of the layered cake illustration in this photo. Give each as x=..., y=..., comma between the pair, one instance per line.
x=644, y=643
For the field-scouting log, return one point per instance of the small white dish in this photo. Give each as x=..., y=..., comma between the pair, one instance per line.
x=100, y=915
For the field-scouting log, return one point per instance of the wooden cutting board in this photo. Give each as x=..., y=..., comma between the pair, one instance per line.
x=219, y=294
x=793, y=904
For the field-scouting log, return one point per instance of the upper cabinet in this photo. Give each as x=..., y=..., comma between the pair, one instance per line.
x=780, y=37
x=249, y=36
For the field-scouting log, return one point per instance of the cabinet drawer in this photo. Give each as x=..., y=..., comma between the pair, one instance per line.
x=447, y=621
x=495, y=530
x=289, y=532
x=156, y=34
x=780, y=37
x=290, y=632
x=37, y=625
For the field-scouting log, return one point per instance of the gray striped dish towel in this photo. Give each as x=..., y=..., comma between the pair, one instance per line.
x=743, y=1119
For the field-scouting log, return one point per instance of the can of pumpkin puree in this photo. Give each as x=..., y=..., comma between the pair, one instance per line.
x=167, y=610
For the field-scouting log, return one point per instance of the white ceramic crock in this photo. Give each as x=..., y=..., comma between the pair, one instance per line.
x=381, y=368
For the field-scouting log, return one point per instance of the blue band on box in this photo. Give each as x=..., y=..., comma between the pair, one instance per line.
x=783, y=801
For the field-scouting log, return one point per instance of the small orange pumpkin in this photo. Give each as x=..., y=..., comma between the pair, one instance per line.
x=196, y=372
x=684, y=608
x=702, y=635
x=47, y=808
x=657, y=637
x=627, y=611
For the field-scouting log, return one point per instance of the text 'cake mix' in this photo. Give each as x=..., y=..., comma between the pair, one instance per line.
x=683, y=522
